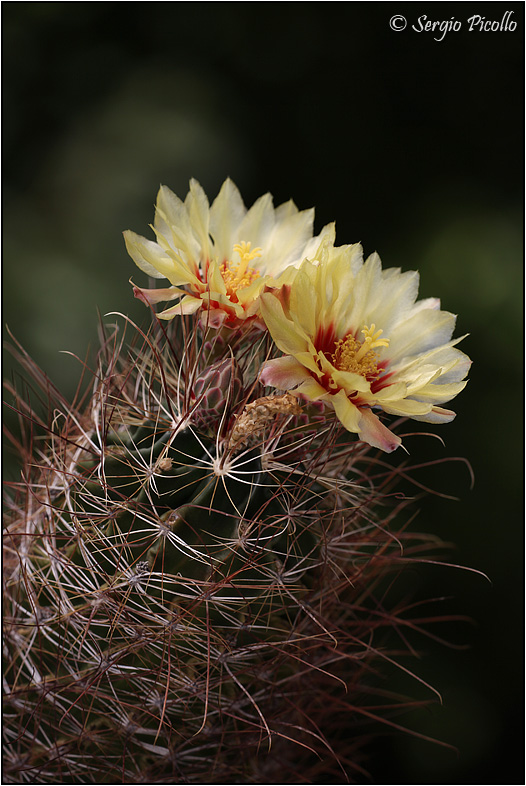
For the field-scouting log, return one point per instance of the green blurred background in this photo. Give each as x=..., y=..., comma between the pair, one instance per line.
x=413, y=146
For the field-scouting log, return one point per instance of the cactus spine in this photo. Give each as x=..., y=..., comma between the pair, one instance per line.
x=190, y=577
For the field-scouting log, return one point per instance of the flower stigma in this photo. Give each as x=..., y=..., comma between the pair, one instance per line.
x=240, y=275
x=359, y=358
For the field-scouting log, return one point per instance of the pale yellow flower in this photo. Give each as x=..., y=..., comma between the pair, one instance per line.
x=220, y=258
x=356, y=338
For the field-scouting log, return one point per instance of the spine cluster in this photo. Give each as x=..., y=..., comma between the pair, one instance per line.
x=196, y=580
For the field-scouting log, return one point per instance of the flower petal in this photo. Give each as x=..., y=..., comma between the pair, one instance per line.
x=440, y=394
x=283, y=331
x=258, y=222
x=148, y=256
x=437, y=415
x=188, y=305
x=172, y=225
x=314, y=248
x=373, y=431
x=406, y=407
x=304, y=301
x=283, y=373
x=226, y=214
x=346, y=412
x=421, y=332
x=196, y=203
x=312, y=391
x=152, y=296
x=288, y=239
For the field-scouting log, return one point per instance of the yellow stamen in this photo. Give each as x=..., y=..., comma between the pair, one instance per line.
x=371, y=340
x=243, y=249
x=236, y=275
x=360, y=358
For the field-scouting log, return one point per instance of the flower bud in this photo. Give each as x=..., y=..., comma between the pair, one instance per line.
x=217, y=389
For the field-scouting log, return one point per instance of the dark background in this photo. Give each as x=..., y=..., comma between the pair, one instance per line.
x=414, y=147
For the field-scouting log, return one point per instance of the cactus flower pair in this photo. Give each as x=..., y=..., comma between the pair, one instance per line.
x=353, y=335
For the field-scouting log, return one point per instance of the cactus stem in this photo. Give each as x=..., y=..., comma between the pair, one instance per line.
x=199, y=578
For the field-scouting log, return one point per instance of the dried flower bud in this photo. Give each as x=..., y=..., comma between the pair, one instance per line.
x=258, y=414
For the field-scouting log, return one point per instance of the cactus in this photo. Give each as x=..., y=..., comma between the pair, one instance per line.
x=196, y=572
